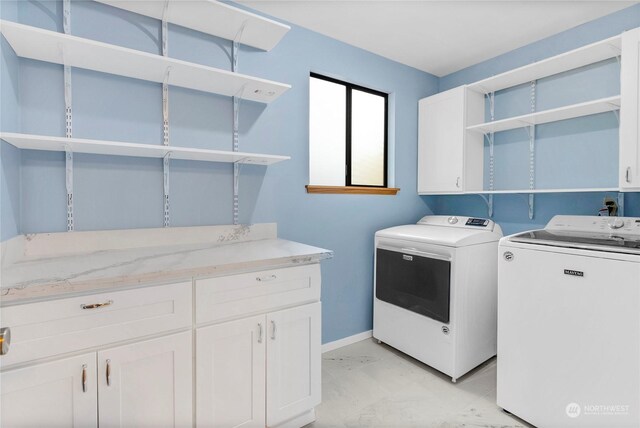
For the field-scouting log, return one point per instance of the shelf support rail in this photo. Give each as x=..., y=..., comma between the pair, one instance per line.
x=66, y=23
x=532, y=153
x=492, y=109
x=165, y=115
x=236, y=119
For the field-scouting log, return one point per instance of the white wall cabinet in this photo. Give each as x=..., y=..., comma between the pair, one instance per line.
x=62, y=393
x=447, y=153
x=260, y=370
x=452, y=126
x=630, y=112
x=147, y=384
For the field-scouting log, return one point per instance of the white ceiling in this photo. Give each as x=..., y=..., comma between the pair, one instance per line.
x=438, y=37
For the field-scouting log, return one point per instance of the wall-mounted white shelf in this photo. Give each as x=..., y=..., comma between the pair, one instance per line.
x=553, y=115
x=576, y=58
x=211, y=17
x=100, y=147
x=50, y=46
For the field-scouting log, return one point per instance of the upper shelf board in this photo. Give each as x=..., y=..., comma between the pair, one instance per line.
x=211, y=17
x=562, y=113
x=51, y=46
x=117, y=148
x=571, y=60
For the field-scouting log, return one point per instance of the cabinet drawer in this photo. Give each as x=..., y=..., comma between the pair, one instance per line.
x=45, y=329
x=237, y=295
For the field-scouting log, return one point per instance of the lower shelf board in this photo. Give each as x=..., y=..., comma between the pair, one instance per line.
x=117, y=148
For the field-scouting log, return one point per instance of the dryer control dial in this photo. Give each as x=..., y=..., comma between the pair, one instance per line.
x=616, y=223
x=452, y=220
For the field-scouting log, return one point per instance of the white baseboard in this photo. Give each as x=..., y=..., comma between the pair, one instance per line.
x=346, y=341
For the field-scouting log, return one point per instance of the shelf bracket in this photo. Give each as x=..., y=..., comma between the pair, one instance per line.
x=488, y=200
x=617, y=115
x=165, y=176
x=68, y=113
x=235, y=47
x=531, y=205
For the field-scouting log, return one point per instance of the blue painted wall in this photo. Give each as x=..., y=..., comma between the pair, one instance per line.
x=575, y=153
x=117, y=192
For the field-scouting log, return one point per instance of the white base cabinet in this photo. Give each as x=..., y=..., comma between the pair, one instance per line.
x=259, y=371
x=248, y=345
x=293, y=362
x=144, y=384
x=147, y=384
x=51, y=394
x=230, y=374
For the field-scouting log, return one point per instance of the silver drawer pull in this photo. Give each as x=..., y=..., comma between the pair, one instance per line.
x=5, y=340
x=84, y=378
x=273, y=330
x=266, y=278
x=108, y=373
x=259, y=332
x=97, y=305
x=628, y=174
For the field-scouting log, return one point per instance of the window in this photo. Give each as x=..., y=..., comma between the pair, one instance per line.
x=347, y=134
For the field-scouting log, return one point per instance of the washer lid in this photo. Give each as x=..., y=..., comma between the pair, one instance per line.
x=441, y=235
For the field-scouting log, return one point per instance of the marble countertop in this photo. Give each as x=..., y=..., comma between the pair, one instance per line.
x=49, y=267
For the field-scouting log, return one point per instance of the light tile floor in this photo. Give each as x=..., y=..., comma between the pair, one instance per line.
x=372, y=385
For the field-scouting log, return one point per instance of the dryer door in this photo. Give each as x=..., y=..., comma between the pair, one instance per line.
x=416, y=281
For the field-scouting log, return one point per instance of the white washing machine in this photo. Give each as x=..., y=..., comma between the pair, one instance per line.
x=569, y=323
x=435, y=291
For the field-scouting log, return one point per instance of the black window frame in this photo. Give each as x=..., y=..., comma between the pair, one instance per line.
x=349, y=88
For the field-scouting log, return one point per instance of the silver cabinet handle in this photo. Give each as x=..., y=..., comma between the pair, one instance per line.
x=96, y=305
x=266, y=278
x=273, y=330
x=108, y=373
x=84, y=378
x=259, y=332
x=628, y=174
x=458, y=182
x=5, y=340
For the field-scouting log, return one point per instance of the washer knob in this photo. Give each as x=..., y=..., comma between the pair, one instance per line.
x=452, y=220
x=616, y=223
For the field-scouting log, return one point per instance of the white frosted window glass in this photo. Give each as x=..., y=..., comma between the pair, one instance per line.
x=367, y=139
x=327, y=130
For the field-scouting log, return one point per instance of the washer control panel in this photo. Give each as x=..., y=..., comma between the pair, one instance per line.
x=479, y=222
x=595, y=224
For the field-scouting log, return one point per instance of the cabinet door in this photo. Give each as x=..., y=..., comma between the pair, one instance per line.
x=230, y=374
x=441, y=142
x=58, y=394
x=630, y=111
x=293, y=362
x=147, y=384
